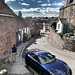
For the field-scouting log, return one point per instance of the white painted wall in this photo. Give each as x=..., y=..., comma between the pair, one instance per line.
x=60, y=29
x=22, y=31
x=28, y=31
x=44, y=29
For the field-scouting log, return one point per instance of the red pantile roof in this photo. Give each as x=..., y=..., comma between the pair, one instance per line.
x=40, y=25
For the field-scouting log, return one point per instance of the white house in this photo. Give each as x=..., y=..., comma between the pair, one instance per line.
x=46, y=27
x=62, y=26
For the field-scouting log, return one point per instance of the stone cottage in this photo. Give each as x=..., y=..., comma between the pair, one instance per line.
x=68, y=11
x=22, y=28
x=30, y=27
x=8, y=25
x=66, y=17
x=34, y=27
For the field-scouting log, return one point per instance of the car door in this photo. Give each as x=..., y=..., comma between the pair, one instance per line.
x=30, y=60
x=35, y=63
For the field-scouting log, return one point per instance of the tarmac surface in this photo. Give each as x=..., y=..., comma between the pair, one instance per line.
x=41, y=42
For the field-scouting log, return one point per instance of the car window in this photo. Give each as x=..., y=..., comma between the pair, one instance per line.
x=46, y=58
x=35, y=57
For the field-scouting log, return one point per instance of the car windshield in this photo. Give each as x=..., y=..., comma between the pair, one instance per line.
x=46, y=58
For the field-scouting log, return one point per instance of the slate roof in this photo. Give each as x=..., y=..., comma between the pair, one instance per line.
x=68, y=5
x=36, y=26
x=4, y=9
x=63, y=20
x=21, y=22
x=29, y=24
x=61, y=8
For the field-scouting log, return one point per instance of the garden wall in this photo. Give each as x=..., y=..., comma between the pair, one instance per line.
x=55, y=39
x=69, y=44
x=65, y=43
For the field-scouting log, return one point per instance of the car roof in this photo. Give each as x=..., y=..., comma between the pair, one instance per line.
x=32, y=50
x=37, y=52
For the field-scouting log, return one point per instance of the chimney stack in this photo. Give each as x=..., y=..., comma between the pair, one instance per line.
x=20, y=14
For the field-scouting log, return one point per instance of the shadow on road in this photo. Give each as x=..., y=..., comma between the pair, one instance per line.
x=33, y=41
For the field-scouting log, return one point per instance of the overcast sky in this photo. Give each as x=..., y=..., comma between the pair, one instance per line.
x=36, y=8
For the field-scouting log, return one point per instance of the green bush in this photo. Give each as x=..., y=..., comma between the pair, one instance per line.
x=53, y=28
x=68, y=34
x=71, y=27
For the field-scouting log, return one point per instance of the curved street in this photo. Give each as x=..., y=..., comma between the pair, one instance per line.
x=43, y=44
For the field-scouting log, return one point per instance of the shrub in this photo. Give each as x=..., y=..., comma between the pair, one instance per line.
x=68, y=34
x=71, y=27
x=53, y=28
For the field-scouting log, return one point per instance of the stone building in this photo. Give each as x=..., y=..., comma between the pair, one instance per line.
x=68, y=11
x=30, y=27
x=62, y=25
x=8, y=25
x=22, y=28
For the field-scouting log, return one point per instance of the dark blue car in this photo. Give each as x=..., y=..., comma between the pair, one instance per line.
x=44, y=63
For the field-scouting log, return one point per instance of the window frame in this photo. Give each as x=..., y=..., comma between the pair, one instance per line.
x=66, y=13
x=34, y=57
x=58, y=26
x=72, y=13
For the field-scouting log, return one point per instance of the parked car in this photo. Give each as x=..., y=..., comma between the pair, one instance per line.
x=44, y=63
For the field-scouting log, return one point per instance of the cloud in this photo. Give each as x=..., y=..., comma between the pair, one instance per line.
x=33, y=0
x=20, y=0
x=36, y=10
x=39, y=1
x=48, y=1
x=49, y=12
x=58, y=4
x=9, y=0
x=46, y=4
x=24, y=4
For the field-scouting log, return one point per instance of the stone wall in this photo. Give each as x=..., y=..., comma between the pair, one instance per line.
x=69, y=44
x=7, y=34
x=65, y=43
x=55, y=39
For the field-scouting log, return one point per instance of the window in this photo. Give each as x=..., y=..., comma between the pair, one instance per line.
x=66, y=13
x=62, y=14
x=46, y=58
x=72, y=12
x=34, y=56
x=58, y=26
